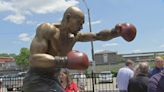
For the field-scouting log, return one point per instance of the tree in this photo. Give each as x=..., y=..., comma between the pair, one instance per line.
x=7, y=55
x=4, y=55
x=22, y=58
x=12, y=55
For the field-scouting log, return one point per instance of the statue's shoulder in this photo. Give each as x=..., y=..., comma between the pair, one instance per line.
x=45, y=30
x=46, y=27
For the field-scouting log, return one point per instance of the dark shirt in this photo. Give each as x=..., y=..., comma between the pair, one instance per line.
x=138, y=83
x=155, y=71
x=156, y=83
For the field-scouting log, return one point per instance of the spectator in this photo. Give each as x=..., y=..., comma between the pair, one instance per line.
x=123, y=76
x=159, y=62
x=156, y=83
x=139, y=83
x=67, y=83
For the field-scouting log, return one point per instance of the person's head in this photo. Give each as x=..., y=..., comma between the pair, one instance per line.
x=73, y=20
x=65, y=76
x=159, y=62
x=129, y=63
x=142, y=68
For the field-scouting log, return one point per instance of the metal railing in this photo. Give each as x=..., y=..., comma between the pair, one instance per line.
x=103, y=82
x=11, y=80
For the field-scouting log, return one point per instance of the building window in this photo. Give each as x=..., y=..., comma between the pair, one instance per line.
x=105, y=57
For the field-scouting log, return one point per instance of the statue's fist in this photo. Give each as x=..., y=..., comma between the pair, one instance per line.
x=77, y=60
x=126, y=30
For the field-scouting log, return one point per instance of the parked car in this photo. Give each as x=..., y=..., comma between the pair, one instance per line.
x=22, y=74
x=78, y=75
x=105, y=77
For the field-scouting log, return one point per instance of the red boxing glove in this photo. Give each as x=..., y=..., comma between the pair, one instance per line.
x=126, y=30
x=77, y=60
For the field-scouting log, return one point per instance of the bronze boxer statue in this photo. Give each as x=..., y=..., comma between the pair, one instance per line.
x=51, y=49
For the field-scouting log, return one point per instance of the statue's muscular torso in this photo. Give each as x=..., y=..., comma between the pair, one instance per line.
x=60, y=45
x=54, y=42
x=49, y=42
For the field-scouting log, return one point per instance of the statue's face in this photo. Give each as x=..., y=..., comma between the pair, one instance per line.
x=76, y=24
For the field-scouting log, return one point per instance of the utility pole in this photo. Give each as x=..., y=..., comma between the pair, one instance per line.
x=90, y=30
x=92, y=47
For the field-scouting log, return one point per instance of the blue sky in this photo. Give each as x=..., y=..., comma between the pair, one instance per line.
x=19, y=19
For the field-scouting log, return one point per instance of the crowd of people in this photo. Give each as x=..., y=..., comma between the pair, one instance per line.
x=141, y=78
x=130, y=78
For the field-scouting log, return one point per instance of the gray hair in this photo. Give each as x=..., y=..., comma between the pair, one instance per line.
x=143, y=68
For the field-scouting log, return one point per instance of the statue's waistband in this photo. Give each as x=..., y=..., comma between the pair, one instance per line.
x=44, y=71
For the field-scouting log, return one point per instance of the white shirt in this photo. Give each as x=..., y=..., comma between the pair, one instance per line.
x=123, y=76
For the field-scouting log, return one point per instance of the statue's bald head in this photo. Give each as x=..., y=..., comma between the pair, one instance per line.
x=73, y=20
x=73, y=12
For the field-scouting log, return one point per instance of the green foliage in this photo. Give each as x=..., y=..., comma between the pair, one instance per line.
x=8, y=55
x=22, y=58
x=12, y=55
x=162, y=57
x=4, y=55
x=114, y=72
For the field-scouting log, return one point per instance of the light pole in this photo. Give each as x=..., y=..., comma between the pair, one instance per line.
x=90, y=29
x=92, y=47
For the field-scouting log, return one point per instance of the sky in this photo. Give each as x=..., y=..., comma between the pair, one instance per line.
x=20, y=18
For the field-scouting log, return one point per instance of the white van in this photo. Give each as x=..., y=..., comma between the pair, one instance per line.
x=106, y=77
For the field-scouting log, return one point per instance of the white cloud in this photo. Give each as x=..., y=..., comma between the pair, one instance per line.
x=161, y=46
x=31, y=22
x=6, y=6
x=24, y=37
x=136, y=51
x=110, y=45
x=18, y=19
x=20, y=9
x=95, y=22
x=52, y=6
x=98, y=51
